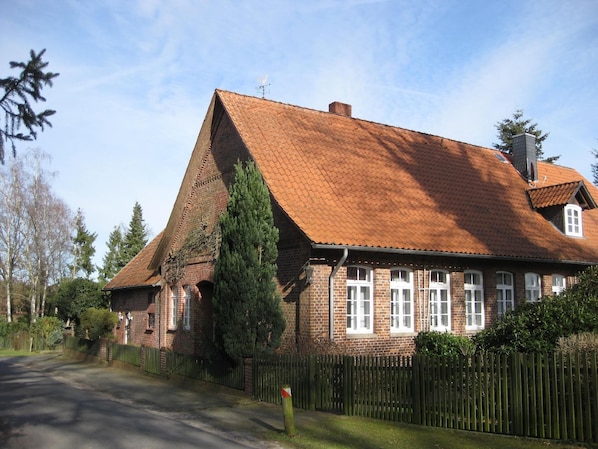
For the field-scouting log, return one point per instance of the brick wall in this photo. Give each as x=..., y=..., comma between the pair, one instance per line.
x=312, y=315
x=139, y=305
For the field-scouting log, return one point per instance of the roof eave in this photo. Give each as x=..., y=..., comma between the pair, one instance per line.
x=414, y=252
x=130, y=287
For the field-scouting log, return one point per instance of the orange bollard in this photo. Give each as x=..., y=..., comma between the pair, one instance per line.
x=287, y=410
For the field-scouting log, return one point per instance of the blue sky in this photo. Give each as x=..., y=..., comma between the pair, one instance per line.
x=136, y=78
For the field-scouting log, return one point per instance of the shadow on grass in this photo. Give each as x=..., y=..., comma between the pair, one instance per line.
x=362, y=433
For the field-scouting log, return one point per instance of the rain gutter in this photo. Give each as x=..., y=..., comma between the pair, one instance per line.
x=331, y=291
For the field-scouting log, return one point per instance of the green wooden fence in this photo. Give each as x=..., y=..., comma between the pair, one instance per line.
x=214, y=371
x=149, y=359
x=540, y=395
x=126, y=353
x=152, y=360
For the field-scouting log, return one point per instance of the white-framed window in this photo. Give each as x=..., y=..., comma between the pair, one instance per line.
x=440, y=301
x=505, y=292
x=174, y=308
x=359, y=300
x=187, y=307
x=401, y=300
x=559, y=283
x=573, y=223
x=533, y=287
x=474, y=300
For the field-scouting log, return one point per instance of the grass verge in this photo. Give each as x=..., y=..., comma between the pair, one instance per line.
x=14, y=353
x=348, y=432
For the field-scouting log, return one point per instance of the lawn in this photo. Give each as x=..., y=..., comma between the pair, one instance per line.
x=13, y=353
x=350, y=432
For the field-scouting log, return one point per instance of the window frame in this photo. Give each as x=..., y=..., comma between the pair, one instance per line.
x=436, y=312
x=571, y=213
x=505, y=288
x=174, y=308
x=476, y=297
x=398, y=288
x=533, y=290
x=558, y=289
x=187, y=295
x=362, y=320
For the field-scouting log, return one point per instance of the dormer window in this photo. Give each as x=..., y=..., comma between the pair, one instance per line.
x=573, y=223
x=563, y=204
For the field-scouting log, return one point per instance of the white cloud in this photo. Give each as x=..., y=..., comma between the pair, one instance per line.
x=137, y=78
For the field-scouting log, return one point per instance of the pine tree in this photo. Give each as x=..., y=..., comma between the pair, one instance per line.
x=518, y=125
x=113, y=259
x=246, y=300
x=83, y=249
x=136, y=237
x=15, y=101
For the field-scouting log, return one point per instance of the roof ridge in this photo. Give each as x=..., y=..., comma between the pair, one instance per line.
x=386, y=125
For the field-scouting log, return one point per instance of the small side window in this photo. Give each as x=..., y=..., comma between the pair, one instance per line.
x=505, y=292
x=573, y=223
x=559, y=283
x=533, y=287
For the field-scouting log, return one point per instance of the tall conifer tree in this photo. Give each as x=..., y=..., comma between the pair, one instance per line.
x=83, y=249
x=246, y=301
x=510, y=127
x=135, y=238
x=113, y=259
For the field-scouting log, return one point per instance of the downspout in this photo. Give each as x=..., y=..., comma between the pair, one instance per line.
x=331, y=292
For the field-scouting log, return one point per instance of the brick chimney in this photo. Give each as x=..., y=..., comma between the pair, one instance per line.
x=524, y=156
x=340, y=108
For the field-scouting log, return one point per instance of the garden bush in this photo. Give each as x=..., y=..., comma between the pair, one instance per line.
x=584, y=342
x=433, y=343
x=537, y=327
x=98, y=323
x=47, y=331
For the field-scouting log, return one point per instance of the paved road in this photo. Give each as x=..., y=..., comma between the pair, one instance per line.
x=51, y=402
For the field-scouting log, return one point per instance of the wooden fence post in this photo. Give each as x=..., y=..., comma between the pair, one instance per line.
x=248, y=377
x=416, y=388
x=517, y=393
x=348, y=387
x=312, y=382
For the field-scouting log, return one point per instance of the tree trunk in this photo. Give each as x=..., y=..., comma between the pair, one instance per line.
x=8, y=301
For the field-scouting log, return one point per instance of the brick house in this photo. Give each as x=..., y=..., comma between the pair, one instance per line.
x=384, y=232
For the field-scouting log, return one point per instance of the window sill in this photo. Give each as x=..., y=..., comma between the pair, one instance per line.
x=406, y=333
x=357, y=335
x=149, y=330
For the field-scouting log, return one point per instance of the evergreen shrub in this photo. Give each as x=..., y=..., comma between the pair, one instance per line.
x=434, y=343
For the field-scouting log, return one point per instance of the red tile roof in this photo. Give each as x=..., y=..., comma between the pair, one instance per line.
x=136, y=272
x=355, y=183
x=556, y=195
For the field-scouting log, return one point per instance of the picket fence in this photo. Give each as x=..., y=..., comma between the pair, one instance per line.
x=161, y=362
x=552, y=396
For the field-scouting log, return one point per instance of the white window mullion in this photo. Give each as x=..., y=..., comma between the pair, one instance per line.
x=187, y=308
x=359, y=300
x=533, y=287
x=401, y=294
x=174, y=307
x=440, y=301
x=504, y=292
x=474, y=300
